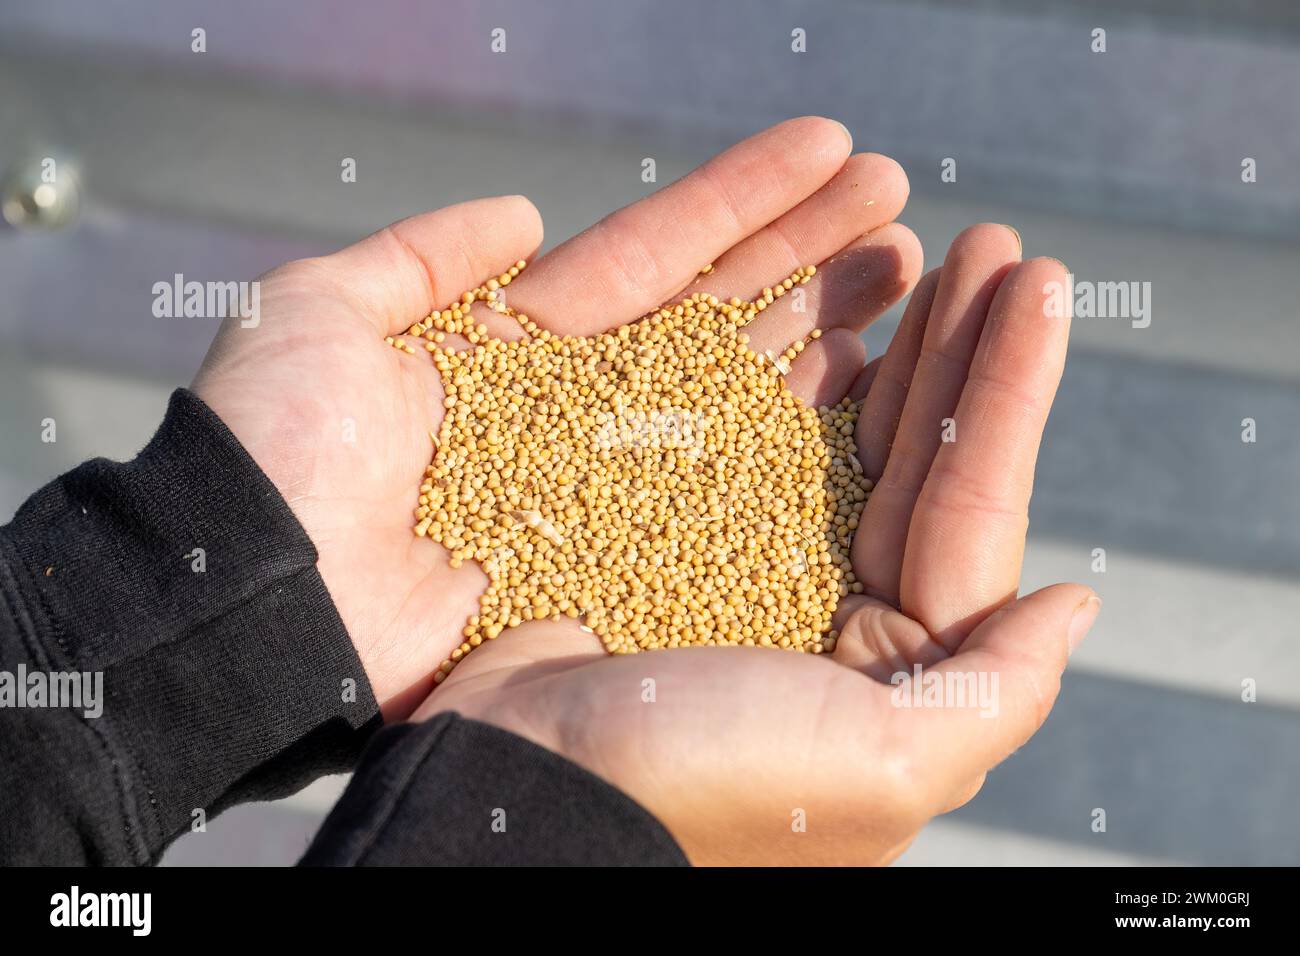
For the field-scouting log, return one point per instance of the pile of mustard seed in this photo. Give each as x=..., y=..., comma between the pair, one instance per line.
x=658, y=483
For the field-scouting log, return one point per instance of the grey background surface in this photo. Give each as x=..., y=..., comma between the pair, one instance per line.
x=1126, y=164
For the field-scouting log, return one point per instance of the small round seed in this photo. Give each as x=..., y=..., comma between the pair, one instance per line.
x=659, y=483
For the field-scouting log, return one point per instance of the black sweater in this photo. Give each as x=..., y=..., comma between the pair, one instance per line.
x=227, y=676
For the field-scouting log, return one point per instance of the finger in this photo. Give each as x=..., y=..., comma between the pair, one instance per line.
x=536, y=646
x=406, y=270
x=977, y=261
x=868, y=192
x=883, y=643
x=862, y=384
x=967, y=538
x=884, y=406
x=496, y=325
x=531, y=651
x=890, y=856
x=1017, y=656
x=848, y=606
x=634, y=259
x=964, y=793
x=824, y=370
x=849, y=291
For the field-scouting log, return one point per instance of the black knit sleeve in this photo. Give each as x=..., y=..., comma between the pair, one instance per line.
x=458, y=792
x=167, y=648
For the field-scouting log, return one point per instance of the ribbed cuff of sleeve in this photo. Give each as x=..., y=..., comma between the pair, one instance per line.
x=458, y=792
x=184, y=579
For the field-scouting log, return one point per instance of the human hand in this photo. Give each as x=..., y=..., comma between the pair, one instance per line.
x=315, y=371
x=734, y=748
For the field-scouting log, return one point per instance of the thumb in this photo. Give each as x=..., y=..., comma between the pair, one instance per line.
x=999, y=687
x=537, y=647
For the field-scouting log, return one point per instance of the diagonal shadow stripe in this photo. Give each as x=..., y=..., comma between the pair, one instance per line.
x=1183, y=776
x=1149, y=456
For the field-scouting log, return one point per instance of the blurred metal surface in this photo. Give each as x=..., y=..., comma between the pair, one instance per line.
x=183, y=167
x=1153, y=129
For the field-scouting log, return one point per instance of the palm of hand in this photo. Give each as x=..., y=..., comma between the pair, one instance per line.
x=712, y=740
x=737, y=749
x=944, y=529
x=347, y=458
x=316, y=372
x=677, y=729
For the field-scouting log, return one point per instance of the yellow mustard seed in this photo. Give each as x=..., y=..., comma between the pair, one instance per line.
x=658, y=483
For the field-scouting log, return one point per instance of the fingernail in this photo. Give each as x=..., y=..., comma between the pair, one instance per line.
x=1016, y=232
x=847, y=135
x=1082, y=620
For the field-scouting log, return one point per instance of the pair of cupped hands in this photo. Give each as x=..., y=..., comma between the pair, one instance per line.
x=746, y=755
